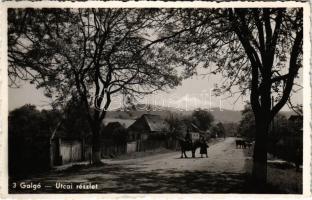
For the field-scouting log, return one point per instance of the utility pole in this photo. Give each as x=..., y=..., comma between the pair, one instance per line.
x=273, y=128
x=272, y=105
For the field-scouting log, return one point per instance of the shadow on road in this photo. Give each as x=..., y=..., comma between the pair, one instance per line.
x=119, y=179
x=138, y=177
x=189, y=158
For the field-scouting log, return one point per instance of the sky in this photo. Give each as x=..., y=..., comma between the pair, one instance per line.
x=191, y=94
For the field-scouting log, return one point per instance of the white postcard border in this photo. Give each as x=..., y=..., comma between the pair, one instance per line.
x=143, y=4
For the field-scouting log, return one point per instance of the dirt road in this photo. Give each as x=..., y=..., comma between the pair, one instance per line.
x=222, y=157
x=223, y=171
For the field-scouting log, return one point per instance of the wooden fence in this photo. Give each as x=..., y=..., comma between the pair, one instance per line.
x=145, y=145
x=110, y=149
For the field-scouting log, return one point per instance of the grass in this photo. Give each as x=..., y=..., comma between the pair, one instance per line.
x=286, y=180
x=282, y=178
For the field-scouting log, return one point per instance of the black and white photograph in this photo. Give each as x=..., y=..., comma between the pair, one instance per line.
x=156, y=100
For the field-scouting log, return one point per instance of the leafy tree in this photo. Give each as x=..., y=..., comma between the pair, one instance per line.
x=173, y=120
x=278, y=127
x=27, y=127
x=24, y=121
x=95, y=54
x=202, y=118
x=27, y=121
x=230, y=129
x=217, y=130
x=177, y=129
x=247, y=125
x=280, y=130
x=257, y=50
x=214, y=131
x=74, y=119
x=221, y=128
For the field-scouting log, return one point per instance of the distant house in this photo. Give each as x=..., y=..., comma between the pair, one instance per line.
x=196, y=132
x=185, y=126
x=114, y=130
x=149, y=131
x=149, y=124
x=124, y=122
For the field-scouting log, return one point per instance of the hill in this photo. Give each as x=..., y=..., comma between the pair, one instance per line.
x=136, y=111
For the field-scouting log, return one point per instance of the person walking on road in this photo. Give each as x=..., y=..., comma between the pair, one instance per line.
x=203, y=147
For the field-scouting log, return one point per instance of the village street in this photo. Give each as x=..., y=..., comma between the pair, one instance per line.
x=222, y=157
x=223, y=171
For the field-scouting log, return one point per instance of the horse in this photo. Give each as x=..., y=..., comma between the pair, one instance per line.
x=188, y=146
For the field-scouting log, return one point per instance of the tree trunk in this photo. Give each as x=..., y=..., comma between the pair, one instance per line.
x=259, y=171
x=96, y=145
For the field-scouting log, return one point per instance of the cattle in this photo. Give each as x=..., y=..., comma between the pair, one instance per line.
x=243, y=144
x=239, y=144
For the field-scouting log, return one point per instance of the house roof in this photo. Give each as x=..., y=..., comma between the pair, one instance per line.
x=113, y=130
x=149, y=122
x=194, y=128
x=156, y=123
x=113, y=125
x=124, y=122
